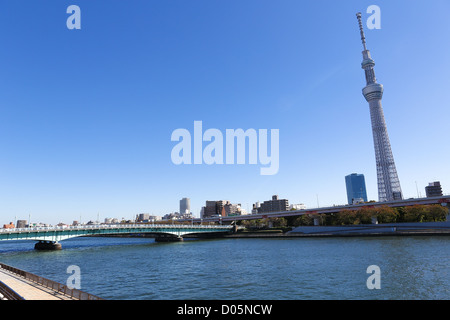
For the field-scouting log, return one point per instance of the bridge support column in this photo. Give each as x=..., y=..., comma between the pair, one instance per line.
x=47, y=245
x=168, y=238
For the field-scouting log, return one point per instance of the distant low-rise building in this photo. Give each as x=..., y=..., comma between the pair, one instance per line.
x=256, y=207
x=358, y=200
x=9, y=226
x=146, y=217
x=153, y=218
x=62, y=225
x=142, y=217
x=42, y=225
x=174, y=216
x=299, y=206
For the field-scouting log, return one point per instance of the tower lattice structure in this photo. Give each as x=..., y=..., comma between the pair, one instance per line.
x=388, y=183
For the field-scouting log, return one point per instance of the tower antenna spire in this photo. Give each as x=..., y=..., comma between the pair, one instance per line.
x=388, y=183
x=363, y=37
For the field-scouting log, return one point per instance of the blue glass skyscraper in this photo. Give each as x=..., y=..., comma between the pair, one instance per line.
x=356, y=187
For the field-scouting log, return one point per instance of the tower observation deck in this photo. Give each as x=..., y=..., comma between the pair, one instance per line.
x=388, y=183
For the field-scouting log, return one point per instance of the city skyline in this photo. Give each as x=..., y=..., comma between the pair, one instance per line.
x=87, y=114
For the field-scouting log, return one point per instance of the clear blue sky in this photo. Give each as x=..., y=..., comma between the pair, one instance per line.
x=86, y=115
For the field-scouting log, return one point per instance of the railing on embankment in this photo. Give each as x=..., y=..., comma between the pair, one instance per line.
x=55, y=286
x=7, y=293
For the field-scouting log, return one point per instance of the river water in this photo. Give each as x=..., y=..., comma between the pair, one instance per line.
x=242, y=269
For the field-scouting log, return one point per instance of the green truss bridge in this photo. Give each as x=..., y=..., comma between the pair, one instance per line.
x=49, y=237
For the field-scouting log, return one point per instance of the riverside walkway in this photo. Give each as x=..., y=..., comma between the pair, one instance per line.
x=16, y=284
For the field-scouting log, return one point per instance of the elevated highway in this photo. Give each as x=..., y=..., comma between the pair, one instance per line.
x=444, y=200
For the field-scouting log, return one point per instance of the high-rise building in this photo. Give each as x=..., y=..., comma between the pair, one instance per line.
x=185, y=205
x=22, y=223
x=388, y=182
x=434, y=189
x=356, y=188
x=222, y=208
x=214, y=208
x=274, y=205
x=232, y=209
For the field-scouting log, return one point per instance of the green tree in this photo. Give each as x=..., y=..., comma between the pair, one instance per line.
x=303, y=220
x=278, y=222
x=436, y=213
x=346, y=217
x=331, y=219
x=364, y=215
x=422, y=213
x=414, y=213
x=387, y=214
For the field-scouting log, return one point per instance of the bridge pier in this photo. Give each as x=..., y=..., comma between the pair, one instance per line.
x=168, y=238
x=47, y=245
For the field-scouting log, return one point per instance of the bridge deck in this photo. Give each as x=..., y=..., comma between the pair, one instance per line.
x=56, y=234
x=28, y=289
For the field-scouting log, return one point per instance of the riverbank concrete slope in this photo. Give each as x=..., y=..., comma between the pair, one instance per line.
x=388, y=229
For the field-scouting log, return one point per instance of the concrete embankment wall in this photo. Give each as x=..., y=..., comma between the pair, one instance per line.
x=388, y=229
x=374, y=229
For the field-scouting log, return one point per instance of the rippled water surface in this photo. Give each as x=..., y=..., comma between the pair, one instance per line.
x=278, y=269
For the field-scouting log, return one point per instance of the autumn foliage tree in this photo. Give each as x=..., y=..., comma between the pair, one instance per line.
x=431, y=213
x=385, y=214
x=364, y=215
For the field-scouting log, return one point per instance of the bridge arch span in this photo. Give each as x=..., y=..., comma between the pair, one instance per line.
x=161, y=232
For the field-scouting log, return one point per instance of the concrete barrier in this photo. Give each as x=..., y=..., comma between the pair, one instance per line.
x=372, y=229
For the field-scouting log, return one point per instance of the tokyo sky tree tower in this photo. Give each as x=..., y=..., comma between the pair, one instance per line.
x=388, y=183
